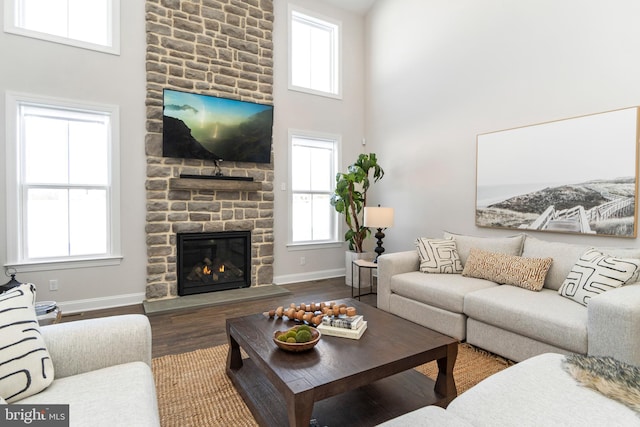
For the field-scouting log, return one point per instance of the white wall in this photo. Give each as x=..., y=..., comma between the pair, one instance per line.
x=44, y=68
x=440, y=73
x=437, y=74
x=297, y=110
x=49, y=69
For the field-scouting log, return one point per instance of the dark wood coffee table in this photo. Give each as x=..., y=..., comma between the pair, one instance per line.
x=340, y=381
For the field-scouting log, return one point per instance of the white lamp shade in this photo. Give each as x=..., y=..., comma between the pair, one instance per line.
x=378, y=217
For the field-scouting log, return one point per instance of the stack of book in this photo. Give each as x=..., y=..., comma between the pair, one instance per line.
x=343, y=326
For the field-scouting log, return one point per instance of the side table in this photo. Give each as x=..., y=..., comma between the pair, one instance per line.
x=48, y=312
x=360, y=264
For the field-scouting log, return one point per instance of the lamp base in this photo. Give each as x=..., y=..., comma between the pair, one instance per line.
x=10, y=284
x=379, y=250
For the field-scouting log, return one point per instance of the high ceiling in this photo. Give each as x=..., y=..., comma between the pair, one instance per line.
x=359, y=6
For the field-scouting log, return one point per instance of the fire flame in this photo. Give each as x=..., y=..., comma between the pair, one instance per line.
x=207, y=270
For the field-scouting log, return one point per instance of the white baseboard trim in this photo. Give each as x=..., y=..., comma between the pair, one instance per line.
x=77, y=306
x=308, y=277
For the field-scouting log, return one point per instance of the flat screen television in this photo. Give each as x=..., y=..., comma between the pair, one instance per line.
x=208, y=127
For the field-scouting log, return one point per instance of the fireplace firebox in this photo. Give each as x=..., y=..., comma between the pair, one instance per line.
x=209, y=262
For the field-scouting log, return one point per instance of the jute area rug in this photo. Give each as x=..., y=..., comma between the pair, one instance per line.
x=193, y=388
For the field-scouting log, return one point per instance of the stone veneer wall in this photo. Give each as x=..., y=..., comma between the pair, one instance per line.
x=215, y=47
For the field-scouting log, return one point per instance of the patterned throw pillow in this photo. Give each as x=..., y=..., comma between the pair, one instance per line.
x=438, y=256
x=527, y=273
x=26, y=367
x=595, y=273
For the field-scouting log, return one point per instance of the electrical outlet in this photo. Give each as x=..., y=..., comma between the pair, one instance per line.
x=303, y=260
x=53, y=285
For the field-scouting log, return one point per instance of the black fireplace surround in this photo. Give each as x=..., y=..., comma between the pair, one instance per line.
x=210, y=262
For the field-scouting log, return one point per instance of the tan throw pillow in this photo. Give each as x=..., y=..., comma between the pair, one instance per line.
x=527, y=273
x=595, y=273
x=438, y=256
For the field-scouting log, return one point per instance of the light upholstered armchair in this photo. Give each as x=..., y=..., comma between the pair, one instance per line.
x=102, y=371
x=92, y=344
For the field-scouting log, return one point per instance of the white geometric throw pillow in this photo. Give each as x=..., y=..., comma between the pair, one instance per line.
x=25, y=365
x=595, y=273
x=438, y=256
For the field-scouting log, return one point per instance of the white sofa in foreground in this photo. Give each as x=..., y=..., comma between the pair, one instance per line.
x=511, y=321
x=102, y=371
x=536, y=392
x=101, y=367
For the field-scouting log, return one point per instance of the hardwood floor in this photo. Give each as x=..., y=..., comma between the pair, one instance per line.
x=191, y=329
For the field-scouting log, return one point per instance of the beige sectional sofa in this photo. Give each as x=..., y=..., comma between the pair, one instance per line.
x=513, y=322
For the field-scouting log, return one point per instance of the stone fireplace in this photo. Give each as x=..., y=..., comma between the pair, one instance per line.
x=209, y=262
x=221, y=48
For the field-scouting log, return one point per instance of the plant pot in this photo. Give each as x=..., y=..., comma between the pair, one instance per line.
x=352, y=274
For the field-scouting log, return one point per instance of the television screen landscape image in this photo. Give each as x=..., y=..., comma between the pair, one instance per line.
x=212, y=128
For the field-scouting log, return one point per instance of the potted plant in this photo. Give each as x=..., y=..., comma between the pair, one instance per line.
x=350, y=199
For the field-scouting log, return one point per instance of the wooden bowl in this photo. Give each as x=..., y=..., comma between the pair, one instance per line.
x=297, y=346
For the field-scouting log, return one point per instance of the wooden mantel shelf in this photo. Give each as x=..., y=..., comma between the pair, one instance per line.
x=213, y=184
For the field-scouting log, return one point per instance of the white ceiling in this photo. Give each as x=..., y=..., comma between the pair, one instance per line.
x=359, y=6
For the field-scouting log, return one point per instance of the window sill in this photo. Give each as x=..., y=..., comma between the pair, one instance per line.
x=112, y=49
x=309, y=246
x=66, y=264
x=316, y=92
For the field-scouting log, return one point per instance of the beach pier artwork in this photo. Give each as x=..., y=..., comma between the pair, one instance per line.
x=573, y=176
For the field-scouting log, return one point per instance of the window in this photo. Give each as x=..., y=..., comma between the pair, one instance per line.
x=62, y=179
x=314, y=53
x=313, y=170
x=91, y=24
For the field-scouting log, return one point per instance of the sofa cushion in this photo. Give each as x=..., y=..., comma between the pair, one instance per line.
x=120, y=395
x=429, y=416
x=595, y=273
x=26, y=366
x=564, y=256
x=438, y=255
x=544, y=316
x=538, y=392
x=445, y=291
x=511, y=245
x=527, y=273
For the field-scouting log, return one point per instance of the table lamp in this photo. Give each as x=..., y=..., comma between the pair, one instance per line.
x=379, y=218
x=11, y=283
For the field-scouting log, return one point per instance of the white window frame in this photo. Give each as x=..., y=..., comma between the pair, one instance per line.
x=328, y=24
x=14, y=195
x=336, y=241
x=12, y=18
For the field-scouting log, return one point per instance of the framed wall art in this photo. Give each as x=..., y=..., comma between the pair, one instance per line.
x=578, y=175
